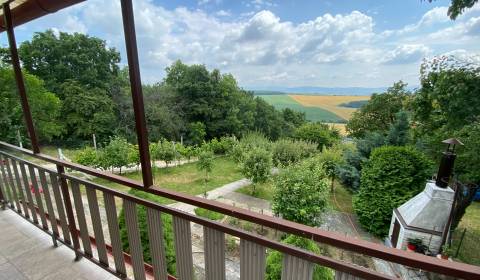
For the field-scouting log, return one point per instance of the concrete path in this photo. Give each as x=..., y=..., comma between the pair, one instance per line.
x=27, y=253
x=213, y=194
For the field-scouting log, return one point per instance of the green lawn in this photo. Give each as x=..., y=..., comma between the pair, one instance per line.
x=470, y=248
x=341, y=199
x=263, y=191
x=312, y=113
x=186, y=178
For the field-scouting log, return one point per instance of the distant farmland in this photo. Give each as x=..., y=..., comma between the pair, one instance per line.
x=313, y=113
x=333, y=109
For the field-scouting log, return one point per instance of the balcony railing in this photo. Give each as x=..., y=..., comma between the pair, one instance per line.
x=57, y=202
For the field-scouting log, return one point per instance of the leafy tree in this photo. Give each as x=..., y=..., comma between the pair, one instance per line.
x=88, y=157
x=319, y=133
x=196, y=133
x=116, y=153
x=379, y=113
x=398, y=135
x=331, y=158
x=275, y=260
x=86, y=112
x=301, y=193
x=249, y=141
x=286, y=151
x=389, y=178
x=59, y=58
x=166, y=151
x=133, y=156
x=256, y=166
x=205, y=163
x=44, y=106
x=457, y=7
x=143, y=228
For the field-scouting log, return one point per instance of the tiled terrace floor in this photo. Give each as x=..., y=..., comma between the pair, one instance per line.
x=27, y=253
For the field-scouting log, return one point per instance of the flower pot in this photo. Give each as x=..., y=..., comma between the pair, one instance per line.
x=411, y=248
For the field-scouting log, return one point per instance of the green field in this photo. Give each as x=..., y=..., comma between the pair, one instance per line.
x=312, y=113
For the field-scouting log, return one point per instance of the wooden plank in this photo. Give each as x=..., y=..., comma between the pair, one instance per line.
x=157, y=246
x=214, y=247
x=38, y=197
x=252, y=261
x=21, y=193
x=82, y=223
x=60, y=208
x=134, y=242
x=12, y=186
x=97, y=225
x=4, y=178
x=114, y=231
x=183, y=248
x=294, y=268
x=48, y=202
x=339, y=275
x=28, y=192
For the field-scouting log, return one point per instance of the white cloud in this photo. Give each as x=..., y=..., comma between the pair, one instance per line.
x=406, y=54
x=261, y=49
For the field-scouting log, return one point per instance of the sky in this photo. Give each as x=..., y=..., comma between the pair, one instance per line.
x=266, y=43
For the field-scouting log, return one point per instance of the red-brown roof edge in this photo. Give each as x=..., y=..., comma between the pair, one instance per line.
x=33, y=9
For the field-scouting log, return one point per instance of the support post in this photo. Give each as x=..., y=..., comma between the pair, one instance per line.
x=69, y=209
x=136, y=88
x=19, y=77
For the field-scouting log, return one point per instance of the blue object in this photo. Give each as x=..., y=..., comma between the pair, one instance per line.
x=477, y=196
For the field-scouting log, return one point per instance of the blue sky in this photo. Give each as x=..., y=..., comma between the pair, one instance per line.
x=266, y=43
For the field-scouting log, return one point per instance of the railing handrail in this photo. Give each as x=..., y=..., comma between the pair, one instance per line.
x=337, y=240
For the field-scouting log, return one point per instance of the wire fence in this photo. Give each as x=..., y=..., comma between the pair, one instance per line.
x=466, y=245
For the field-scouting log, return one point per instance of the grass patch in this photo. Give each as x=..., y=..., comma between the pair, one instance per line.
x=341, y=199
x=186, y=178
x=470, y=248
x=312, y=113
x=209, y=214
x=53, y=152
x=262, y=191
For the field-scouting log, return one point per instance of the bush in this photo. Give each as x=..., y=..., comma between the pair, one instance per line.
x=389, y=178
x=301, y=193
x=319, y=133
x=209, y=214
x=286, y=151
x=275, y=260
x=143, y=228
x=256, y=166
x=249, y=142
x=87, y=157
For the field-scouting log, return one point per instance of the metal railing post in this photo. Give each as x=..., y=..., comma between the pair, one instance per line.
x=136, y=88
x=69, y=209
x=19, y=77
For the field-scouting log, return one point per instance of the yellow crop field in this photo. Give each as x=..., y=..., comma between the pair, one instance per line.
x=340, y=127
x=330, y=103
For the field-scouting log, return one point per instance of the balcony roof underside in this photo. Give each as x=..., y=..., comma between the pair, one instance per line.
x=27, y=10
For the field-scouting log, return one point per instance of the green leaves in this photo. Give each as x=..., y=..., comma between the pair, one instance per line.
x=256, y=165
x=301, y=193
x=389, y=178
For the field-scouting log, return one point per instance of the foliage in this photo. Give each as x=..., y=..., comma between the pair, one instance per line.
x=379, y=113
x=389, y=178
x=331, y=159
x=166, y=151
x=457, y=7
x=115, y=154
x=319, y=133
x=446, y=106
x=88, y=157
x=286, y=151
x=143, y=228
x=59, y=58
x=275, y=260
x=249, y=141
x=209, y=214
x=133, y=156
x=301, y=193
x=222, y=146
x=205, y=163
x=196, y=133
x=86, y=112
x=256, y=166
x=44, y=106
